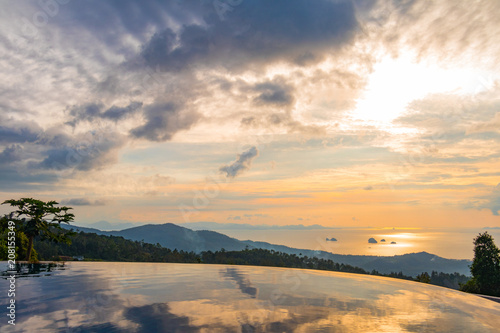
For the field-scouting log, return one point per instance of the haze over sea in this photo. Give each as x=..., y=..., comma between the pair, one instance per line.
x=447, y=243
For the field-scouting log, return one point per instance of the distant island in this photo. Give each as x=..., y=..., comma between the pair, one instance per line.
x=331, y=239
x=176, y=237
x=246, y=226
x=372, y=241
x=94, y=247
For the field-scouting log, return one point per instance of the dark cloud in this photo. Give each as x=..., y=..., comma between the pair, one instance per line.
x=113, y=21
x=85, y=112
x=157, y=317
x=306, y=58
x=83, y=202
x=160, y=50
x=242, y=163
x=93, y=111
x=11, y=154
x=163, y=121
x=241, y=280
x=93, y=152
x=253, y=31
x=118, y=113
x=16, y=178
x=274, y=94
x=12, y=131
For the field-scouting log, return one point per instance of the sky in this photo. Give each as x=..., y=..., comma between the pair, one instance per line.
x=333, y=112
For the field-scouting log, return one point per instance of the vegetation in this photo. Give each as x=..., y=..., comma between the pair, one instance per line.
x=38, y=218
x=21, y=240
x=113, y=248
x=38, y=225
x=261, y=257
x=485, y=268
x=424, y=278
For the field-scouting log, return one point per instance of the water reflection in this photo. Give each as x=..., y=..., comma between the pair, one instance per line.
x=243, y=282
x=32, y=269
x=138, y=297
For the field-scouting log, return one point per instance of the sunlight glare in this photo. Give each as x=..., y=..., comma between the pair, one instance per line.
x=395, y=83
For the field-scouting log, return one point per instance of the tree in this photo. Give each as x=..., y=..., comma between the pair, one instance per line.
x=485, y=267
x=21, y=240
x=39, y=218
x=424, y=278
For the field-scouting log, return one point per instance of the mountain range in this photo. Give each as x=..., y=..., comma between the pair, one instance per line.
x=247, y=226
x=176, y=237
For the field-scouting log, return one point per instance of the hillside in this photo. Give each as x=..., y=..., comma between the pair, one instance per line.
x=114, y=248
x=176, y=237
x=180, y=238
x=410, y=264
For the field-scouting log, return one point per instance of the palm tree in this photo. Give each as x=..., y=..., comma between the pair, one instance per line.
x=41, y=218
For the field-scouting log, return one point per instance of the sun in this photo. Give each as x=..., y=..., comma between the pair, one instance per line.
x=395, y=82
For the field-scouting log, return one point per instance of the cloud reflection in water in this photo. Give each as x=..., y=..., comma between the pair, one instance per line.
x=142, y=297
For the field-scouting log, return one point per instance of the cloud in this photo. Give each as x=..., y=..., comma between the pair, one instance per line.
x=11, y=154
x=242, y=163
x=491, y=201
x=157, y=317
x=83, y=202
x=274, y=94
x=242, y=280
x=90, y=151
x=492, y=125
x=449, y=31
x=14, y=131
x=93, y=111
x=163, y=121
x=253, y=31
x=453, y=122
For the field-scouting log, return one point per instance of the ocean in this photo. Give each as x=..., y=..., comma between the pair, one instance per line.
x=447, y=243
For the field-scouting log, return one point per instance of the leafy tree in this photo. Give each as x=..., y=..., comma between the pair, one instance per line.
x=485, y=267
x=21, y=239
x=424, y=278
x=39, y=218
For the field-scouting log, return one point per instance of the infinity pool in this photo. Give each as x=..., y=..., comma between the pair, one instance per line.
x=163, y=297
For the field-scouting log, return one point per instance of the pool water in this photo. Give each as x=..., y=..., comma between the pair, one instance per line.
x=165, y=297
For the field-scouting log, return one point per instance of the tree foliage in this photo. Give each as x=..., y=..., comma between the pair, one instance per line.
x=111, y=248
x=36, y=218
x=485, y=267
x=424, y=278
x=115, y=248
x=21, y=240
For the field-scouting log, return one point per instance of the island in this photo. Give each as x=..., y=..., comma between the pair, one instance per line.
x=331, y=239
x=372, y=241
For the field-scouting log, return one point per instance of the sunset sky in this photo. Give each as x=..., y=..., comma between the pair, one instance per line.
x=340, y=113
